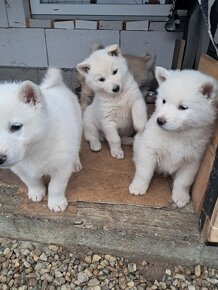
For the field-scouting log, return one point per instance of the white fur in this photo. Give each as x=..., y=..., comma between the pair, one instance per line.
x=176, y=147
x=48, y=142
x=116, y=114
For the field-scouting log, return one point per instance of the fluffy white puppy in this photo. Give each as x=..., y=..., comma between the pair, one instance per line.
x=118, y=107
x=40, y=133
x=178, y=132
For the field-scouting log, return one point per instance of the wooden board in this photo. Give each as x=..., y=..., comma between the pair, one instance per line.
x=208, y=66
x=205, y=187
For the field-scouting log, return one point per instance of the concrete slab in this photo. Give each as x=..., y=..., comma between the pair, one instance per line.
x=22, y=47
x=161, y=43
x=66, y=48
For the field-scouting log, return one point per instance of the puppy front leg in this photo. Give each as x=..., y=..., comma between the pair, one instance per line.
x=145, y=163
x=56, y=190
x=114, y=140
x=183, y=180
x=36, y=188
x=144, y=172
x=90, y=131
x=139, y=115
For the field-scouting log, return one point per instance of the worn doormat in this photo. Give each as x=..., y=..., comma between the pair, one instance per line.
x=103, y=179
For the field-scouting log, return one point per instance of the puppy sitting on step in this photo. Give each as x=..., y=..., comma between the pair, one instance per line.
x=40, y=133
x=177, y=133
x=118, y=107
x=142, y=69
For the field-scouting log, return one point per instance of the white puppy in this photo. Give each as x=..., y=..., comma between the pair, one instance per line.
x=40, y=133
x=118, y=107
x=178, y=132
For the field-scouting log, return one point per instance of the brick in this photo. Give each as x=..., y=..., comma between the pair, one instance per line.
x=39, y=23
x=110, y=25
x=137, y=25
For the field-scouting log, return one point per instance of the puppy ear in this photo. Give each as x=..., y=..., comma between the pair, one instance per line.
x=161, y=74
x=83, y=68
x=209, y=89
x=29, y=93
x=113, y=50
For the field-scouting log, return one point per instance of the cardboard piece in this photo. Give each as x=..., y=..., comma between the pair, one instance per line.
x=103, y=179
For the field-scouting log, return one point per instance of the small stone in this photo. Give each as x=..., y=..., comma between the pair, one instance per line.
x=163, y=285
x=65, y=287
x=88, y=259
x=191, y=287
x=144, y=263
x=3, y=279
x=53, y=248
x=96, y=258
x=35, y=258
x=180, y=277
x=4, y=287
x=213, y=281
x=43, y=257
x=131, y=284
x=93, y=282
x=168, y=272
x=198, y=271
x=132, y=267
x=82, y=277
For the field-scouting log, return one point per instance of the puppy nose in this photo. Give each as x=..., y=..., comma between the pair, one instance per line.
x=116, y=89
x=2, y=159
x=161, y=121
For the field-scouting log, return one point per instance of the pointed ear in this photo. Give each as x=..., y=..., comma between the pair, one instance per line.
x=209, y=89
x=161, y=74
x=113, y=50
x=29, y=93
x=83, y=68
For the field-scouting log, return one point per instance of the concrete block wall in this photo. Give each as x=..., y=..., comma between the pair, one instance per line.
x=22, y=46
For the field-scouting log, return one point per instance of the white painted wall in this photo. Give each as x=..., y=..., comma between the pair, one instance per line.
x=39, y=47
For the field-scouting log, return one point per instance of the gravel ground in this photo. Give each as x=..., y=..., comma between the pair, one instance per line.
x=27, y=265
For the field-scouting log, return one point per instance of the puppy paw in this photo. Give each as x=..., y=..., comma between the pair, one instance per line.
x=36, y=195
x=57, y=204
x=181, y=198
x=117, y=153
x=95, y=145
x=77, y=167
x=137, y=188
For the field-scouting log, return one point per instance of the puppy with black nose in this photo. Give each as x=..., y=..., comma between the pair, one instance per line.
x=178, y=132
x=118, y=108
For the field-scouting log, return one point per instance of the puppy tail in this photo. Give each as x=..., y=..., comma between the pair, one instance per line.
x=53, y=78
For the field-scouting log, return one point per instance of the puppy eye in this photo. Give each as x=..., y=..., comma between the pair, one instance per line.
x=164, y=101
x=15, y=127
x=101, y=79
x=183, y=108
x=115, y=71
